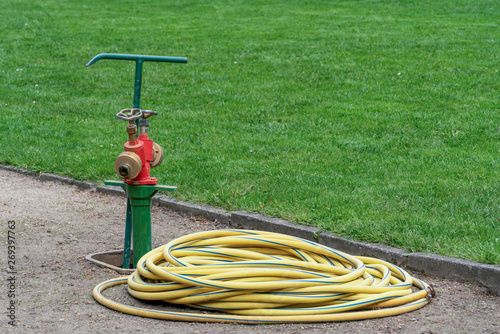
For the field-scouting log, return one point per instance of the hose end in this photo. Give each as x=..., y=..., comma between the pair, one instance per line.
x=431, y=292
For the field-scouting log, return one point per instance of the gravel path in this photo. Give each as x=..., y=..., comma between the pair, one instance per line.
x=57, y=225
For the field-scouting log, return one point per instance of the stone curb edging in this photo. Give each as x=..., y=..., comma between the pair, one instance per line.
x=435, y=265
x=51, y=177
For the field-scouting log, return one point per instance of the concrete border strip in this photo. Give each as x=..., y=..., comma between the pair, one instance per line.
x=51, y=177
x=435, y=265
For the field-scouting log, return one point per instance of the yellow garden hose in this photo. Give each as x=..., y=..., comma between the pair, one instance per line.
x=259, y=277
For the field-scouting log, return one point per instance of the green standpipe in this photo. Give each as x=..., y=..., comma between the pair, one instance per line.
x=138, y=211
x=140, y=198
x=128, y=237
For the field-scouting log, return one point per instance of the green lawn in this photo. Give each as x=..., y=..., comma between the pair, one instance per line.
x=376, y=120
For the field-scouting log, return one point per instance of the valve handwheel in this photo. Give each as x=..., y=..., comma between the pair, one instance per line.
x=130, y=114
x=148, y=113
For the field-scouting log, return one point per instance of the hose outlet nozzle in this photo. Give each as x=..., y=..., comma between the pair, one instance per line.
x=128, y=165
x=124, y=170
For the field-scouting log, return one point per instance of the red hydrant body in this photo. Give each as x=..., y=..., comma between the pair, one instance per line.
x=141, y=154
x=143, y=147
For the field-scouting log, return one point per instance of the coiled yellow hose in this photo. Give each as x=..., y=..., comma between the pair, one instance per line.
x=263, y=277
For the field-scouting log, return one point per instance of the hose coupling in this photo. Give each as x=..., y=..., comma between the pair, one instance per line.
x=431, y=292
x=128, y=165
x=157, y=155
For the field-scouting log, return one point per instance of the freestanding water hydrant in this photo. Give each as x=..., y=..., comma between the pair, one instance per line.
x=133, y=165
x=141, y=153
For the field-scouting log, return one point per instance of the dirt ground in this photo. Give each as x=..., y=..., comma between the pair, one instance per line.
x=57, y=225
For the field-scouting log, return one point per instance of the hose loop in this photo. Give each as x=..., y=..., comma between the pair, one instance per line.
x=264, y=277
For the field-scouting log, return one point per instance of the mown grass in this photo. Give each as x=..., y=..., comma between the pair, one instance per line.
x=376, y=120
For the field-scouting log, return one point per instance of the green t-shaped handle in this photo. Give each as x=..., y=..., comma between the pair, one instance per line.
x=139, y=59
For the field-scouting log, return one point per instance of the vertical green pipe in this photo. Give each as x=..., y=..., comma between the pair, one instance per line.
x=128, y=236
x=140, y=202
x=138, y=218
x=141, y=228
x=129, y=219
x=137, y=83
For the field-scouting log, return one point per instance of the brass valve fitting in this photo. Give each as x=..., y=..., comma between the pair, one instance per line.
x=128, y=165
x=157, y=155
